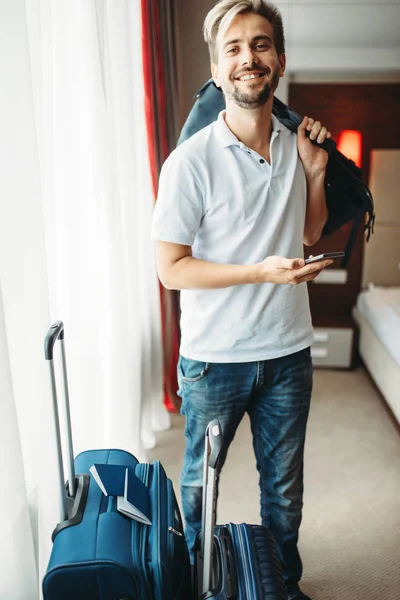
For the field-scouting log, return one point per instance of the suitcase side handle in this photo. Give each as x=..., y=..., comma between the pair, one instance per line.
x=55, y=332
x=229, y=564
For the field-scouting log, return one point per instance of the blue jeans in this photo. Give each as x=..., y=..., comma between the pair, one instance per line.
x=276, y=395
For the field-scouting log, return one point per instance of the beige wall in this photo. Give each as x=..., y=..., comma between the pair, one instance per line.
x=193, y=60
x=382, y=252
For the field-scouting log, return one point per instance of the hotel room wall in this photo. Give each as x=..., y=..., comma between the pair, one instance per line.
x=382, y=254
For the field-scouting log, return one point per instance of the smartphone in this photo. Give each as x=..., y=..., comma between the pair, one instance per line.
x=324, y=256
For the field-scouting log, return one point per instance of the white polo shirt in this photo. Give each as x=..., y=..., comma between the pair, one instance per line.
x=232, y=207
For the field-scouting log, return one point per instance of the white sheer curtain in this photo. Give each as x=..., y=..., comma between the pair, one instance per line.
x=76, y=205
x=17, y=555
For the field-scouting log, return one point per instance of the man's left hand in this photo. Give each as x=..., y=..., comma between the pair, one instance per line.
x=314, y=159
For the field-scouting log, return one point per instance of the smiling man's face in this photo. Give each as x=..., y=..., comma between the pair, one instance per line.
x=248, y=68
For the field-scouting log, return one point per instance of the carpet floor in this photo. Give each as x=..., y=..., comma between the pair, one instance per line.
x=350, y=535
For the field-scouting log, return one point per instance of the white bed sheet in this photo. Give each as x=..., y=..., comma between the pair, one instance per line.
x=380, y=306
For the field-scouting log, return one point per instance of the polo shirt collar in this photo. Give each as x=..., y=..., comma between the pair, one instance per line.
x=227, y=138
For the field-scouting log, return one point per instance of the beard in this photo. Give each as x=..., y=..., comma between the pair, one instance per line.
x=253, y=98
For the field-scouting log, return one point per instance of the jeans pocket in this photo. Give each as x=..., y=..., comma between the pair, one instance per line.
x=192, y=371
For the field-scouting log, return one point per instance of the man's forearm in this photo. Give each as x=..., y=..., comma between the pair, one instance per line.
x=317, y=212
x=190, y=273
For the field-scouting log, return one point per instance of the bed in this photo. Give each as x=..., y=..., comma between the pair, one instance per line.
x=377, y=310
x=377, y=314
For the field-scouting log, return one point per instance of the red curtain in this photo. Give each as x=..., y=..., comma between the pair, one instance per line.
x=158, y=147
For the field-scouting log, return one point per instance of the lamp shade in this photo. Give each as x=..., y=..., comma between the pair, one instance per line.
x=350, y=144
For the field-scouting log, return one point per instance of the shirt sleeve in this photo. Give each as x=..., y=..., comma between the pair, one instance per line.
x=179, y=207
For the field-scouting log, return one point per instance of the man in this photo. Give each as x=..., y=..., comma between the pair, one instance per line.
x=236, y=202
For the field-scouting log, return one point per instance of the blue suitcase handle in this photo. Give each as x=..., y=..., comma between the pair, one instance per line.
x=73, y=495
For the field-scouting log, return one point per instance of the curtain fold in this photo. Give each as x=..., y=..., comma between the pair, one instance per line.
x=159, y=68
x=17, y=556
x=76, y=205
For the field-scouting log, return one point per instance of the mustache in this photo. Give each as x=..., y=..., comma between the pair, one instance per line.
x=252, y=69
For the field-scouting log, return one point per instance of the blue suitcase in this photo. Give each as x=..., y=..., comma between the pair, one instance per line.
x=232, y=562
x=98, y=553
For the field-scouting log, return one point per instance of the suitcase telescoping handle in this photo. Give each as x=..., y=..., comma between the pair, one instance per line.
x=212, y=452
x=56, y=332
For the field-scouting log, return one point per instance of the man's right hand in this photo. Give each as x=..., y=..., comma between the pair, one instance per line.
x=281, y=270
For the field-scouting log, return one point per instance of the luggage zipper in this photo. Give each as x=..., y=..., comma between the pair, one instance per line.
x=160, y=505
x=171, y=521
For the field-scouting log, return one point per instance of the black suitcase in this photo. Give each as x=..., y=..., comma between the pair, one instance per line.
x=232, y=562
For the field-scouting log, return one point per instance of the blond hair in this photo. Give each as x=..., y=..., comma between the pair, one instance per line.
x=220, y=17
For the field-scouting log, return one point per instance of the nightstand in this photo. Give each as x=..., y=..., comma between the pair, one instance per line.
x=334, y=344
